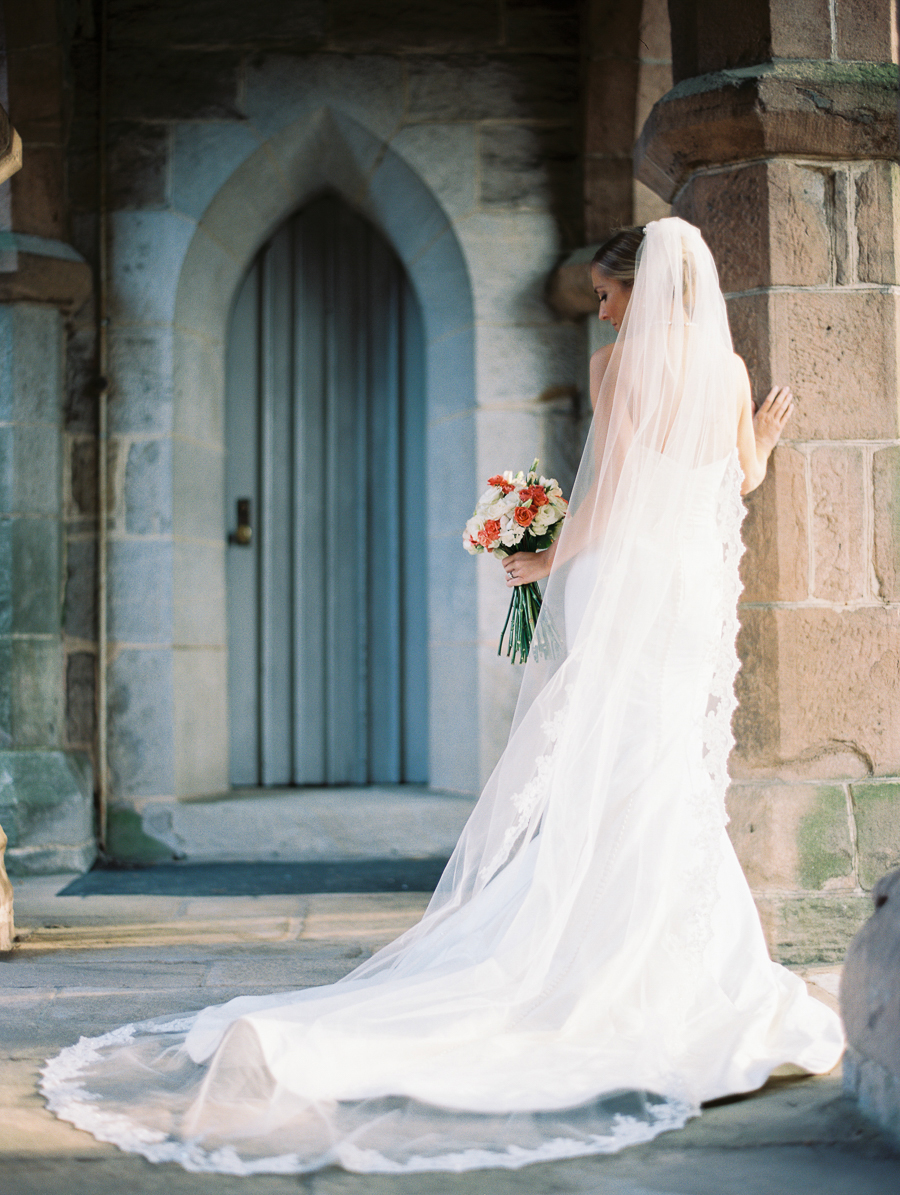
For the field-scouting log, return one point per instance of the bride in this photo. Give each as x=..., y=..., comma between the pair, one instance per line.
x=591, y=967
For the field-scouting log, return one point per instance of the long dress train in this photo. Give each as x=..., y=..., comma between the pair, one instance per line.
x=592, y=967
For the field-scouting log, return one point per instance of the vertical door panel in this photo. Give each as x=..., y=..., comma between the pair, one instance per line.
x=328, y=683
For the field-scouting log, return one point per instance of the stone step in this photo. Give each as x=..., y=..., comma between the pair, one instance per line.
x=374, y=822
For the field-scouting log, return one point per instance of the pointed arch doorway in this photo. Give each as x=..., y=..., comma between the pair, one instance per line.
x=325, y=464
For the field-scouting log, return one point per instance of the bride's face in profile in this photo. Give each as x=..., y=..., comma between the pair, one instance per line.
x=613, y=296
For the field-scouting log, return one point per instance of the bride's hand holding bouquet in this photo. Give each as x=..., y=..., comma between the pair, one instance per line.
x=517, y=519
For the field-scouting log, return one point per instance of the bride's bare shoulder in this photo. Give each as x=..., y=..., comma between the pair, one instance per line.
x=599, y=362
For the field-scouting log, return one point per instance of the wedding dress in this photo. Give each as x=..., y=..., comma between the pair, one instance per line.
x=591, y=967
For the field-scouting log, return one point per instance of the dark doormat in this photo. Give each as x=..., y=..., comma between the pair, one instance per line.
x=258, y=879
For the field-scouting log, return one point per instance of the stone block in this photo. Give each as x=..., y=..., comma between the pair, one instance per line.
x=35, y=74
x=140, y=723
x=31, y=692
x=612, y=30
x=876, y=806
x=528, y=365
x=198, y=491
x=543, y=27
x=127, y=841
x=870, y=1001
x=610, y=92
x=792, y=837
x=452, y=584
x=198, y=385
x=440, y=25
x=31, y=548
x=80, y=603
x=444, y=156
x=775, y=567
x=865, y=31
x=886, y=503
x=138, y=164
x=767, y=223
x=877, y=211
x=443, y=287
x=206, y=285
x=492, y=87
x=81, y=699
x=451, y=504
x=245, y=211
x=148, y=249
x=454, y=719
x=805, y=931
x=522, y=167
x=450, y=364
x=824, y=343
x=654, y=80
x=608, y=193
x=499, y=683
x=838, y=523
x=7, y=925
x=210, y=23
x=38, y=194
x=199, y=593
x=875, y=1089
x=80, y=397
x=31, y=355
x=148, y=488
x=285, y=89
x=410, y=220
x=6, y=575
x=81, y=490
x=149, y=83
x=204, y=155
x=509, y=258
x=200, y=690
x=29, y=470
x=46, y=809
x=139, y=579
x=140, y=401
x=810, y=110
x=813, y=678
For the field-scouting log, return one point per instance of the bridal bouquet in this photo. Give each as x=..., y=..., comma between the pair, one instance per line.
x=518, y=513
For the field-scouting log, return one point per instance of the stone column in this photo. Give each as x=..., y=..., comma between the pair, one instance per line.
x=778, y=140
x=46, y=801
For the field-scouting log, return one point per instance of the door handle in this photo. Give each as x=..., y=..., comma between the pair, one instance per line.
x=243, y=534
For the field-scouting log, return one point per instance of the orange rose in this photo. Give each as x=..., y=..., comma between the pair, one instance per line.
x=524, y=515
x=501, y=483
x=537, y=494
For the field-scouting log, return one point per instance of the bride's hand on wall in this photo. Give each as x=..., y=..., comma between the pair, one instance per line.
x=770, y=418
x=524, y=567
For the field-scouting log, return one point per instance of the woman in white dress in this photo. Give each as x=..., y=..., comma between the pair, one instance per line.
x=591, y=967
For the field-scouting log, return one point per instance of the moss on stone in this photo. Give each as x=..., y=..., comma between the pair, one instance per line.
x=128, y=842
x=823, y=839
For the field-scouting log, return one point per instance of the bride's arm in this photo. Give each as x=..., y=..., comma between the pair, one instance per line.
x=524, y=567
x=758, y=435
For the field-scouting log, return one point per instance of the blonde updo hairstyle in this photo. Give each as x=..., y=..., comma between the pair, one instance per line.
x=617, y=257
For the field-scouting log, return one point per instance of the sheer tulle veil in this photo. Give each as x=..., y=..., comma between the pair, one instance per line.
x=591, y=966
x=667, y=407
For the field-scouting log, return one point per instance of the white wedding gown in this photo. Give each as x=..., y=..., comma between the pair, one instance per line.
x=592, y=966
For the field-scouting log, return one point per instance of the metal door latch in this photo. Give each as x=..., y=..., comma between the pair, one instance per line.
x=244, y=532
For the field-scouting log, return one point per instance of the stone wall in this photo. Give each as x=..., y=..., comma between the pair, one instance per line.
x=455, y=128
x=46, y=799
x=778, y=140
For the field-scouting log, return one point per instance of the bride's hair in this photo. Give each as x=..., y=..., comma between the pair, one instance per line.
x=617, y=256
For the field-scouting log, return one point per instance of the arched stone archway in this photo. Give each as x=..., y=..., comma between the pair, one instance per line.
x=328, y=150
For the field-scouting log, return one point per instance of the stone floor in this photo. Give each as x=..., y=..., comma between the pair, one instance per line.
x=85, y=964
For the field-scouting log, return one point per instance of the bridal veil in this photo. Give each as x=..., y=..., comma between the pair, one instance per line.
x=591, y=966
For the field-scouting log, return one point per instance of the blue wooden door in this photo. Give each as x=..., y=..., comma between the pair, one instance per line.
x=325, y=441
